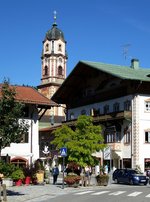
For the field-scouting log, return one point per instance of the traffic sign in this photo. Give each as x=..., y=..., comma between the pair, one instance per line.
x=63, y=151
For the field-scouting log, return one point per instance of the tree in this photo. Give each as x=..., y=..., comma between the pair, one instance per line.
x=12, y=127
x=81, y=143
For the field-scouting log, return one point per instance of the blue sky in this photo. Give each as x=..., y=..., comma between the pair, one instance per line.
x=95, y=30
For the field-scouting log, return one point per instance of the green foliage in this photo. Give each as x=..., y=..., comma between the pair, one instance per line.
x=81, y=143
x=12, y=128
x=17, y=174
x=6, y=169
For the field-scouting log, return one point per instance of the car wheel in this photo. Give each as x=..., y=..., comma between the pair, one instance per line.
x=116, y=181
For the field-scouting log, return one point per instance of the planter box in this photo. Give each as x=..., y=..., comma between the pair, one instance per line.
x=102, y=180
x=8, y=182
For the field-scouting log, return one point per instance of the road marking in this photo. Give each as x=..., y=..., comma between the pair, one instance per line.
x=148, y=195
x=117, y=193
x=84, y=192
x=135, y=193
x=101, y=192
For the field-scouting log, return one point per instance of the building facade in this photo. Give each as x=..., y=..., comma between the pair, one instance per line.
x=118, y=98
x=27, y=151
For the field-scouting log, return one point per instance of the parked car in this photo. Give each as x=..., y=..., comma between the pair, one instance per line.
x=129, y=176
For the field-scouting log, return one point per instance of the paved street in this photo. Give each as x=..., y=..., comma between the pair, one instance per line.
x=39, y=192
x=113, y=193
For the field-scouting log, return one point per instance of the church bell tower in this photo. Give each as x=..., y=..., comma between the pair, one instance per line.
x=53, y=65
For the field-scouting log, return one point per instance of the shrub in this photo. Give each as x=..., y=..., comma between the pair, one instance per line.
x=6, y=169
x=18, y=174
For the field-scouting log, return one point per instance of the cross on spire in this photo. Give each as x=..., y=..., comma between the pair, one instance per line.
x=55, y=13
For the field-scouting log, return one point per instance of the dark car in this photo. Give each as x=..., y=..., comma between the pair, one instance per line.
x=129, y=176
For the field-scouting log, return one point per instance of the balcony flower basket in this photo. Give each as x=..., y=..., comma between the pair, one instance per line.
x=102, y=180
x=72, y=180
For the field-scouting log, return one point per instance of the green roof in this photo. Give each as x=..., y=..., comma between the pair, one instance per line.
x=123, y=72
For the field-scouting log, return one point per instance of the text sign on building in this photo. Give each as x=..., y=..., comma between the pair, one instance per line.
x=63, y=151
x=107, y=153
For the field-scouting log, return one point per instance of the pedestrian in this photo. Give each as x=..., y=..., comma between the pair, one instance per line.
x=55, y=173
x=82, y=174
x=87, y=176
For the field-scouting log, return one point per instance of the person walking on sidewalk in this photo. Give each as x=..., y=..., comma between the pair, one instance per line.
x=55, y=173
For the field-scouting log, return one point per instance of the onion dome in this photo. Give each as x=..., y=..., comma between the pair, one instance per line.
x=54, y=33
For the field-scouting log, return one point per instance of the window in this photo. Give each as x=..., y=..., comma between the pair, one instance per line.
x=106, y=109
x=127, y=105
x=127, y=137
x=45, y=71
x=147, y=106
x=147, y=136
x=116, y=107
x=59, y=47
x=60, y=71
x=47, y=47
x=83, y=112
x=111, y=135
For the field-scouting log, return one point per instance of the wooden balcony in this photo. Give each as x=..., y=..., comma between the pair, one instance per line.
x=101, y=118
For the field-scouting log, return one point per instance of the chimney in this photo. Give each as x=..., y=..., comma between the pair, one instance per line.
x=135, y=63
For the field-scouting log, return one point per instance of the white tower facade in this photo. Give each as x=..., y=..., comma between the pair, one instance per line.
x=54, y=60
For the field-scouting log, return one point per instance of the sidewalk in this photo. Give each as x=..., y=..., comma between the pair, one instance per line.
x=37, y=193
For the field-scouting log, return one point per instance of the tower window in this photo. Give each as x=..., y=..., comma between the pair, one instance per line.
x=59, y=47
x=60, y=71
x=45, y=70
x=47, y=47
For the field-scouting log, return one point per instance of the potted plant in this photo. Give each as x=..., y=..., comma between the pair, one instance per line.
x=6, y=170
x=18, y=176
x=72, y=179
x=102, y=180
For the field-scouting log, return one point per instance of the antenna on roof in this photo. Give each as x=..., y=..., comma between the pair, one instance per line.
x=125, y=50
